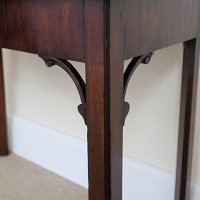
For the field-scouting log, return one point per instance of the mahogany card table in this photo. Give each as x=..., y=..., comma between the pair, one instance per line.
x=102, y=34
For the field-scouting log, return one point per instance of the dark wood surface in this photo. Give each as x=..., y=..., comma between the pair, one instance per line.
x=104, y=75
x=2, y=25
x=95, y=52
x=187, y=117
x=148, y=24
x=154, y=24
x=103, y=33
x=3, y=129
x=46, y=27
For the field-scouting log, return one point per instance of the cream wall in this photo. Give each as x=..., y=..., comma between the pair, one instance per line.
x=49, y=97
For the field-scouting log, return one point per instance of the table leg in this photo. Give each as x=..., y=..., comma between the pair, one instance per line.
x=3, y=130
x=187, y=118
x=104, y=100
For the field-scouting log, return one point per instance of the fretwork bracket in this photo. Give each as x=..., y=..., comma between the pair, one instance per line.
x=81, y=85
x=135, y=62
x=75, y=76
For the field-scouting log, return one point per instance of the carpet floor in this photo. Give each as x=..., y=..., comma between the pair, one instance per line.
x=23, y=180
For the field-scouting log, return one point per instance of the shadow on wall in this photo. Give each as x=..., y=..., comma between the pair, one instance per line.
x=151, y=129
x=12, y=72
x=44, y=95
x=49, y=97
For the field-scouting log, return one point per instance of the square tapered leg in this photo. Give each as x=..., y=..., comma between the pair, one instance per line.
x=3, y=130
x=187, y=118
x=104, y=98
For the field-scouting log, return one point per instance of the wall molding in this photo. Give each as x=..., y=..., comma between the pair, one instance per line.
x=51, y=149
x=67, y=156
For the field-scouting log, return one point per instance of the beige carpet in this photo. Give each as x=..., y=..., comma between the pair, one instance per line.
x=22, y=180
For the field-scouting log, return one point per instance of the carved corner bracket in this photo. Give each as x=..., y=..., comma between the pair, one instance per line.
x=75, y=76
x=135, y=62
x=81, y=85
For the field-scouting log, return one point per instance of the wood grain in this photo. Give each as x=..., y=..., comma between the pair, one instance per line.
x=2, y=25
x=103, y=33
x=3, y=129
x=155, y=24
x=51, y=28
x=187, y=118
x=104, y=75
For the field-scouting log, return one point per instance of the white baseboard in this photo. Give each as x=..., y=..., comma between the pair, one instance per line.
x=51, y=149
x=67, y=157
